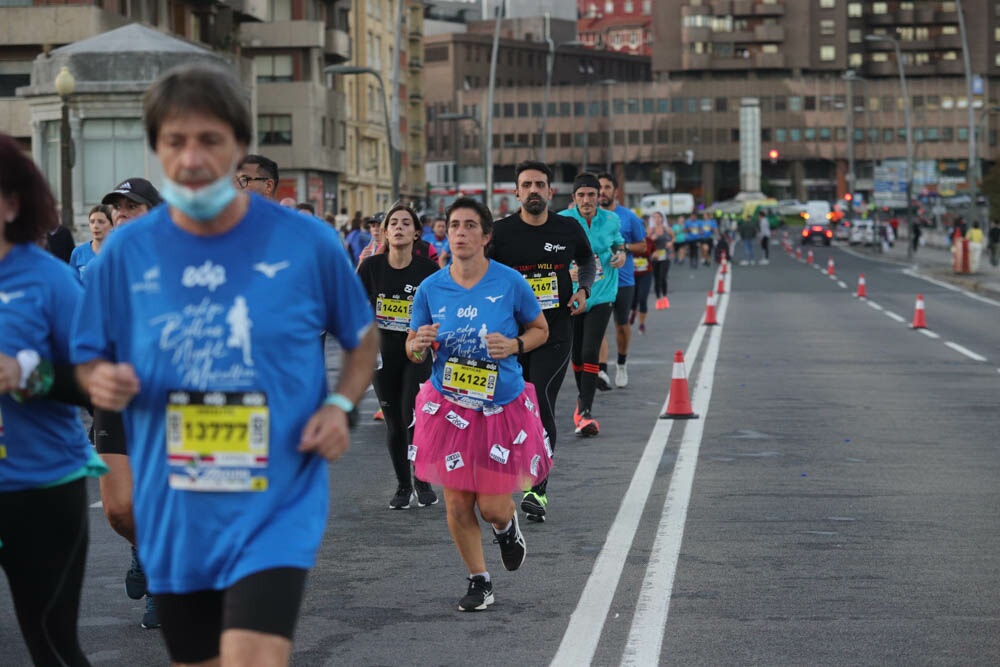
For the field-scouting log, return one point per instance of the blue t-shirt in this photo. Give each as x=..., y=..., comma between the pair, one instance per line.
x=499, y=303
x=224, y=335
x=709, y=227
x=692, y=229
x=604, y=233
x=632, y=231
x=82, y=255
x=440, y=245
x=41, y=441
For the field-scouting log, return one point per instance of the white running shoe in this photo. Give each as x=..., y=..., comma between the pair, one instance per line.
x=621, y=376
x=603, y=381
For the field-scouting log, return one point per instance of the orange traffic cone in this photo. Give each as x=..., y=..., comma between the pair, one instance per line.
x=679, y=401
x=710, y=310
x=809, y=258
x=919, y=317
x=798, y=253
x=829, y=267
x=722, y=286
x=725, y=264
x=862, y=287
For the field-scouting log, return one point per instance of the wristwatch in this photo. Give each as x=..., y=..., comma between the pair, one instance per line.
x=520, y=345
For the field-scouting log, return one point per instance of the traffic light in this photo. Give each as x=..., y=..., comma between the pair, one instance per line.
x=773, y=155
x=848, y=197
x=689, y=156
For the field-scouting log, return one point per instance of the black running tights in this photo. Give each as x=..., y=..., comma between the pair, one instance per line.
x=588, y=332
x=396, y=385
x=545, y=367
x=660, y=272
x=44, y=535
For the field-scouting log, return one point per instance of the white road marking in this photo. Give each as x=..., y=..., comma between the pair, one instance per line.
x=953, y=288
x=929, y=333
x=586, y=623
x=645, y=639
x=841, y=284
x=963, y=350
x=875, y=305
x=97, y=504
x=894, y=316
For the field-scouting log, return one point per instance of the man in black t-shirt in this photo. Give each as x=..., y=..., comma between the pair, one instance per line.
x=541, y=245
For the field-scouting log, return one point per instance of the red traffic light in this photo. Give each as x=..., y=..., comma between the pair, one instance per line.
x=773, y=154
x=848, y=197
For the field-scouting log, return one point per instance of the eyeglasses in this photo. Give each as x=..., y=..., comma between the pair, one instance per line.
x=244, y=180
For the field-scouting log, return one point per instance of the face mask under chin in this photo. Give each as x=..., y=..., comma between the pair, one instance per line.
x=203, y=204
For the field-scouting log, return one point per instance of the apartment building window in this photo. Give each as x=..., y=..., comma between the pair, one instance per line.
x=662, y=105
x=810, y=103
x=827, y=52
x=795, y=134
x=632, y=105
x=947, y=134
x=827, y=4
x=676, y=105
x=281, y=10
x=963, y=134
x=880, y=8
x=780, y=103
x=827, y=27
x=522, y=109
x=888, y=135
x=855, y=36
x=564, y=108
x=565, y=139
x=508, y=109
x=734, y=135
x=780, y=134
x=628, y=6
x=692, y=105
x=648, y=105
x=578, y=139
x=825, y=134
x=933, y=134
x=855, y=60
x=274, y=68
x=854, y=10
x=662, y=135
x=794, y=103
x=536, y=110
x=274, y=129
x=722, y=104
x=9, y=83
x=112, y=149
x=677, y=135
x=647, y=137
x=810, y=134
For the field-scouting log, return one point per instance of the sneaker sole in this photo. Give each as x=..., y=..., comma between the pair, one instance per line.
x=399, y=507
x=588, y=431
x=537, y=518
x=531, y=508
x=486, y=603
x=423, y=504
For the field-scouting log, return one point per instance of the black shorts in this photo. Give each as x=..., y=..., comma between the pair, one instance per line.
x=266, y=601
x=623, y=304
x=109, y=432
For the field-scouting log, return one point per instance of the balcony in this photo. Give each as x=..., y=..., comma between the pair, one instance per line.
x=733, y=37
x=769, y=60
x=887, y=68
x=942, y=16
x=881, y=19
x=693, y=35
x=743, y=7
x=731, y=64
x=283, y=34
x=695, y=10
x=947, y=67
x=338, y=45
x=769, y=9
x=415, y=64
x=722, y=7
x=55, y=25
x=769, y=33
x=948, y=41
x=695, y=61
x=904, y=16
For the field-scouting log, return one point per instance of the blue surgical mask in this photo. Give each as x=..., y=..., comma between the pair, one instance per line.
x=202, y=204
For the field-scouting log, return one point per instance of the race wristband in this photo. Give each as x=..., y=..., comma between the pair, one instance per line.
x=340, y=401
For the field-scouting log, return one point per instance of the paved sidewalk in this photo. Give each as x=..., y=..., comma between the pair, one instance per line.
x=934, y=260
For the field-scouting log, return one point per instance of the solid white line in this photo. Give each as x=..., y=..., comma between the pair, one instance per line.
x=929, y=333
x=841, y=284
x=894, y=316
x=967, y=352
x=645, y=639
x=953, y=288
x=875, y=305
x=579, y=642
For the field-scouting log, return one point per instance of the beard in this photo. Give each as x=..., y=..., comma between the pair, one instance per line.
x=535, y=205
x=605, y=202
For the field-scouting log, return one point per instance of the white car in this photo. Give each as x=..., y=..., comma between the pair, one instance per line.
x=842, y=232
x=862, y=232
x=787, y=207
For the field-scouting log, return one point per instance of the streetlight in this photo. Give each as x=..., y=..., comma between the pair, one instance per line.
x=550, y=61
x=393, y=150
x=849, y=107
x=909, y=128
x=65, y=84
x=455, y=116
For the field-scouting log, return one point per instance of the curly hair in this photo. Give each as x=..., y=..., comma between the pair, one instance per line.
x=21, y=181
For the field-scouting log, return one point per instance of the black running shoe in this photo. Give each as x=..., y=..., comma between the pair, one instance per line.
x=150, y=619
x=512, y=547
x=135, y=578
x=425, y=494
x=401, y=501
x=533, y=505
x=479, y=596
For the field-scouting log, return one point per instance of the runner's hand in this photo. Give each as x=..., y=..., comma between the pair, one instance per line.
x=326, y=433
x=112, y=386
x=618, y=260
x=578, y=303
x=424, y=337
x=499, y=346
x=10, y=373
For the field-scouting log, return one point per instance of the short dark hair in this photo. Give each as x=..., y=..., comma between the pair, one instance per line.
x=19, y=177
x=606, y=176
x=210, y=89
x=537, y=165
x=483, y=211
x=266, y=164
x=306, y=206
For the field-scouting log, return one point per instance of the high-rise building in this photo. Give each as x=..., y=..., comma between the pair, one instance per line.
x=625, y=26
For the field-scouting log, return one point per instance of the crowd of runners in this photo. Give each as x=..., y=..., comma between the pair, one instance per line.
x=196, y=345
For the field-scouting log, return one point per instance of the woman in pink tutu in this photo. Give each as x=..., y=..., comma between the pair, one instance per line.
x=478, y=432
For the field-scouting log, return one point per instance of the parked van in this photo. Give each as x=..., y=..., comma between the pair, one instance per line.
x=679, y=203
x=817, y=210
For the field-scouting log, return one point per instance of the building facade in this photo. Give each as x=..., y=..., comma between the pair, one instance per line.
x=625, y=26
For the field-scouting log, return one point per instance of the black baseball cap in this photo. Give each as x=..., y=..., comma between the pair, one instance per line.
x=138, y=190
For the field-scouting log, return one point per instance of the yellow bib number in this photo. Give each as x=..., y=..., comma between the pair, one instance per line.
x=471, y=378
x=218, y=441
x=393, y=314
x=546, y=289
x=641, y=264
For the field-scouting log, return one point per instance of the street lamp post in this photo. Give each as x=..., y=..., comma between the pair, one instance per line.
x=909, y=127
x=849, y=108
x=394, y=155
x=550, y=61
x=65, y=84
x=454, y=116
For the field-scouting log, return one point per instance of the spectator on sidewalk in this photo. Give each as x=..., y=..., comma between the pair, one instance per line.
x=915, y=232
x=974, y=235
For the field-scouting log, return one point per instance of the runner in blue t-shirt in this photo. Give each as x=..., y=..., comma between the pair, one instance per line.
x=221, y=378
x=439, y=240
x=692, y=231
x=634, y=233
x=100, y=227
x=478, y=432
x=44, y=453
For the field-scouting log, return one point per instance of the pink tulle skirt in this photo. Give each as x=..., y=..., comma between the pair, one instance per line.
x=490, y=452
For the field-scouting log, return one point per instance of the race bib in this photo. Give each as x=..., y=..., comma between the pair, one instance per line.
x=660, y=255
x=393, y=314
x=641, y=264
x=599, y=275
x=218, y=441
x=470, y=379
x=546, y=289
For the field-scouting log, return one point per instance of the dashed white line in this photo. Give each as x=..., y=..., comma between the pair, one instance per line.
x=893, y=316
x=875, y=305
x=929, y=333
x=841, y=284
x=963, y=350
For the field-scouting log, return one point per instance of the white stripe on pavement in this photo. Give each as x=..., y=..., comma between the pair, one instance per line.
x=586, y=623
x=964, y=350
x=875, y=305
x=841, y=284
x=929, y=333
x=645, y=639
x=894, y=316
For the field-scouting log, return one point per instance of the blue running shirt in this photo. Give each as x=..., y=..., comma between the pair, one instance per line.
x=224, y=333
x=82, y=255
x=632, y=231
x=41, y=441
x=498, y=303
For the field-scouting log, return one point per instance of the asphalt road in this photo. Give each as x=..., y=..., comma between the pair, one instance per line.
x=836, y=503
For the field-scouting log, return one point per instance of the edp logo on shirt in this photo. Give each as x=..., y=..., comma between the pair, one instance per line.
x=207, y=275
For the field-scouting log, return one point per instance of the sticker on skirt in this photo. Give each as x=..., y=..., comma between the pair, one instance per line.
x=411, y=453
x=528, y=404
x=521, y=437
x=456, y=421
x=491, y=410
x=535, y=460
x=499, y=454
x=548, y=445
x=454, y=461
x=431, y=408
